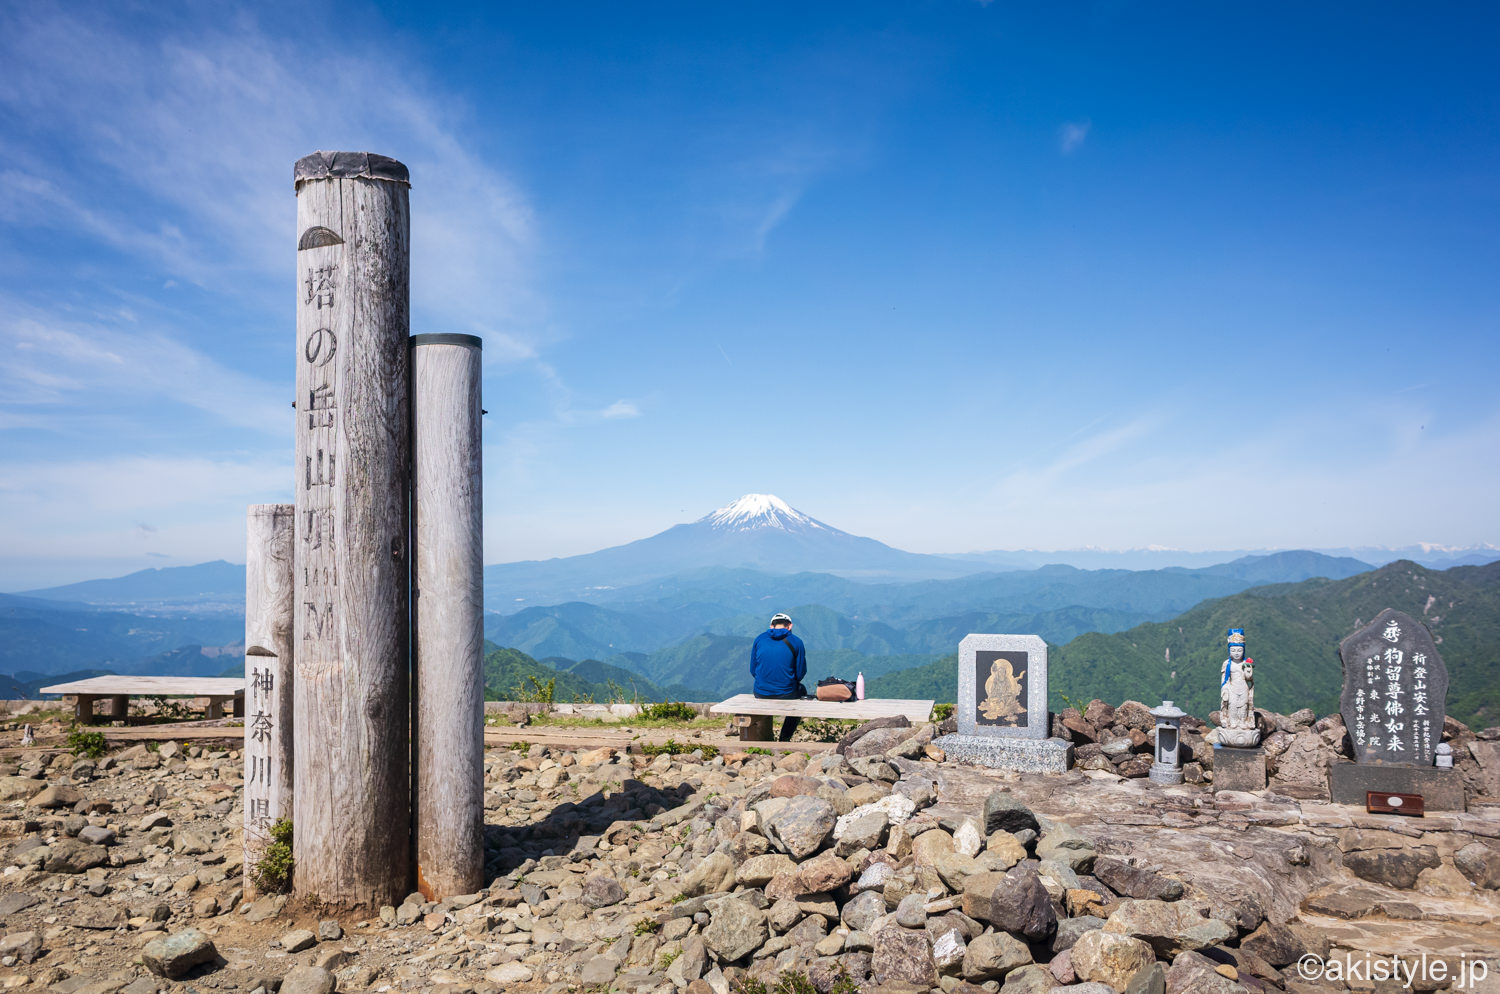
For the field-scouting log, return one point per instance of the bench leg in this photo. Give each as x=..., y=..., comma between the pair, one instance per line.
x=85, y=709
x=216, y=707
x=754, y=727
x=239, y=704
x=119, y=707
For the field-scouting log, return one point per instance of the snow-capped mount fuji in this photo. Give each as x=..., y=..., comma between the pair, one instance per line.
x=757, y=531
x=754, y=511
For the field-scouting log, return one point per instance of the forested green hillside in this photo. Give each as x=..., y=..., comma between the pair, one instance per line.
x=1293, y=629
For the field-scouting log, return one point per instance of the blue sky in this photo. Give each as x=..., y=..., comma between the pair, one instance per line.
x=958, y=276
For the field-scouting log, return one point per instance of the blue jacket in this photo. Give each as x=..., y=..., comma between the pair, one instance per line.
x=778, y=662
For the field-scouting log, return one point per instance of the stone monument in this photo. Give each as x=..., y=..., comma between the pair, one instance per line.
x=1002, y=706
x=1239, y=763
x=1394, y=703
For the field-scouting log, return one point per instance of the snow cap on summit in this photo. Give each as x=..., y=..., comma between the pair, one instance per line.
x=760, y=511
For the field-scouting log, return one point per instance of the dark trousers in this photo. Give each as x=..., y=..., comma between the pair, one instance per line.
x=790, y=722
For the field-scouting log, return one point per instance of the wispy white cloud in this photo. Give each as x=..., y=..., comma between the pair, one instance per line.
x=53, y=369
x=199, y=181
x=619, y=410
x=1072, y=135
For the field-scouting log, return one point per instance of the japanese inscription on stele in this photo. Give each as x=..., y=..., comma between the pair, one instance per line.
x=320, y=316
x=1395, y=690
x=260, y=743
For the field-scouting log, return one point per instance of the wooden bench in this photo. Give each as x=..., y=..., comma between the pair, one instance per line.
x=753, y=714
x=117, y=691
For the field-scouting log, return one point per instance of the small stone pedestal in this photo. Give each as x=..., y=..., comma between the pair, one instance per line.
x=1441, y=790
x=1239, y=769
x=1021, y=755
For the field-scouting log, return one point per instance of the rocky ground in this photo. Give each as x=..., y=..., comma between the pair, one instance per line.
x=878, y=867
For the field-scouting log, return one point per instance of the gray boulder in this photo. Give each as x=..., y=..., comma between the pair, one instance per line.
x=1015, y=901
x=73, y=856
x=1003, y=812
x=993, y=955
x=736, y=928
x=601, y=890
x=1480, y=863
x=308, y=980
x=173, y=955
x=1141, y=882
x=1168, y=928
x=802, y=827
x=1392, y=867
x=903, y=956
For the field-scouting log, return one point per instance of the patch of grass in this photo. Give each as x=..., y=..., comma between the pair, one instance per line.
x=667, y=959
x=583, y=721
x=792, y=982
x=87, y=744
x=843, y=983
x=668, y=711
x=758, y=751
x=521, y=746
x=942, y=712
x=825, y=729
x=272, y=873
x=647, y=926
x=672, y=747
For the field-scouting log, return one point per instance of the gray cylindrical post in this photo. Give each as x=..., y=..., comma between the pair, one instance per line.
x=351, y=837
x=270, y=598
x=448, y=588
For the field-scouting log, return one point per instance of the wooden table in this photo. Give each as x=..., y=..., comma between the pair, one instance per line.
x=118, y=690
x=754, y=713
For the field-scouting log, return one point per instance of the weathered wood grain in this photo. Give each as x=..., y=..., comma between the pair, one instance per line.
x=352, y=705
x=270, y=599
x=865, y=710
x=448, y=592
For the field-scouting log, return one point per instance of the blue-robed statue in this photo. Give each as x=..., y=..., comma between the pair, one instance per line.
x=1237, y=726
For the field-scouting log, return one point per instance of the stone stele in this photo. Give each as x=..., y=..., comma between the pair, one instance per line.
x=1002, y=706
x=1395, y=691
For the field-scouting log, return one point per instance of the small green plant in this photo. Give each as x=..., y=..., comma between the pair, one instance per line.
x=843, y=983
x=617, y=693
x=942, y=712
x=667, y=959
x=672, y=747
x=273, y=871
x=758, y=751
x=825, y=729
x=677, y=898
x=793, y=982
x=668, y=711
x=647, y=926
x=1076, y=704
x=534, y=691
x=521, y=746
x=86, y=743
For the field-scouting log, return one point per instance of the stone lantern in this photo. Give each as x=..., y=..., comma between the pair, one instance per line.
x=1168, y=765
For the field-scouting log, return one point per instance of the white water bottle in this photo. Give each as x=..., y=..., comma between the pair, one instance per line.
x=859, y=686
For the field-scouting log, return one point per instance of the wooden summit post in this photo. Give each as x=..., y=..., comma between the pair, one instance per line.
x=270, y=599
x=448, y=593
x=351, y=816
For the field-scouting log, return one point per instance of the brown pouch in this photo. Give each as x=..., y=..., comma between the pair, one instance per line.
x=835, y=690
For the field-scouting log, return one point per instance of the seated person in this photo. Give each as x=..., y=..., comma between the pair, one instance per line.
x=778, y=662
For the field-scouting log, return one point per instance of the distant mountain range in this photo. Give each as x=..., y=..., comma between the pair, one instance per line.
x=675, y=613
